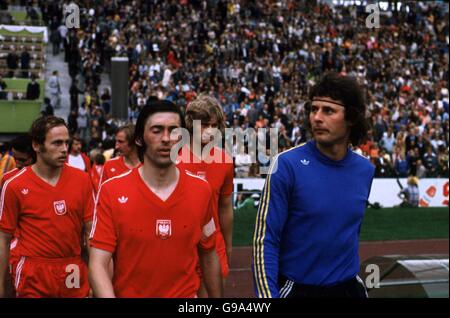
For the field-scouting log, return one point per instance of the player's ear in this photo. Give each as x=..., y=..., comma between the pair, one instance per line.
x=138, y=142
x=36, y=146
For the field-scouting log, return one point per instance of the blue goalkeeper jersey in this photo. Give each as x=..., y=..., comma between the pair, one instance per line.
x=309, y=219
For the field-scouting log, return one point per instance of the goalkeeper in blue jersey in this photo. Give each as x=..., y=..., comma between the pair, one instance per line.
x=307, y=228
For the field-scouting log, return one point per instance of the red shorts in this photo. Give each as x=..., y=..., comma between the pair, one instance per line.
x=50, y=278
x=221, y=252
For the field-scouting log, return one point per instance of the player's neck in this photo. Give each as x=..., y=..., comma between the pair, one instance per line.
x=131, y=160
x=335, y=152
x=158, y=177
x=47, y=173
x=162, y=182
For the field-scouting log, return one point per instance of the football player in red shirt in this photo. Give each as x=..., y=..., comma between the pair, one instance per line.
x=155, y=221
x=127, y=158
x=48, y=202
x=215, y=166
x=24, y=156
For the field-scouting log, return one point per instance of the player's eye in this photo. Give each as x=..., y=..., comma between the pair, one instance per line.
x=328, y=110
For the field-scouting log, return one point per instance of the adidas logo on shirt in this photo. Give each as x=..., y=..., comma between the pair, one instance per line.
x=24, y=191
x=122, y=199
x=304, y=162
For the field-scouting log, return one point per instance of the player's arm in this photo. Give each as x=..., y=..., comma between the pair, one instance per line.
x=103, y=239
x=270, y=220
x=226, y=222
x=87, y=233
x=226, y=212
x=88, y=215
x=5, y=240
x=209, y=263
x=99, y=276
x=9, y=211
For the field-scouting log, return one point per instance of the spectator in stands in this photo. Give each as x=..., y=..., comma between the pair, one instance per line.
x=83, y=121
x=25, y=62
x=33, y=89
x=12, y=61
x=401, y=166
x=3, y=86
x=74, y=91
x=430, y=161
x=47, y=108
x=443, y=162
x=242, y=163
x=32, y=14
x=388, y=140
x=55, y=36
x=72, y=122
x=421, y=170
x=410, y=194
x=55, y=90
x=106, y=100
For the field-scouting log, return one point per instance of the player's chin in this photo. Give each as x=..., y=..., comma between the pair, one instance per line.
x=323, y=140
x=164, y=162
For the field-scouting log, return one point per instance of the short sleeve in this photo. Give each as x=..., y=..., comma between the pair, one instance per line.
x=227, y=187
x=208, y=240
x=9, y=209
x=103, y=235
x=88, y=214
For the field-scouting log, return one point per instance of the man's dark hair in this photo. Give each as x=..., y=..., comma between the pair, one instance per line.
x=349, y=92
x=153, y=107
x=99, y=159
x=41, y=127
x=22, y=143
x=74, y=138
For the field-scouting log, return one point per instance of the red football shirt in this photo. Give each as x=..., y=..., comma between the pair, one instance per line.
x=49, y=218
x=218, y=172
x=7, y=175
x=154, y=242
x=113, y=167
x=96, y=173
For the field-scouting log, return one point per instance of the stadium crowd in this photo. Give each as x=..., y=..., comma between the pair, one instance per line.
x=259, y=59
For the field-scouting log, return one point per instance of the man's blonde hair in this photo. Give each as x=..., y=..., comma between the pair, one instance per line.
x=204, y=108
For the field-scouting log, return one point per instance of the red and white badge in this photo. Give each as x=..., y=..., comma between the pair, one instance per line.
x=60, y=207
x=163, y=229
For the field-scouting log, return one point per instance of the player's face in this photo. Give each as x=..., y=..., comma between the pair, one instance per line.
x=328, y=123
x=158, y=138
x=76, y=147
x=122, y=146
x=209, y=130
x=55, y=148
x=22, y=159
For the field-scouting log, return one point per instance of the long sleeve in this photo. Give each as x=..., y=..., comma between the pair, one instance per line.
x=270, y=220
